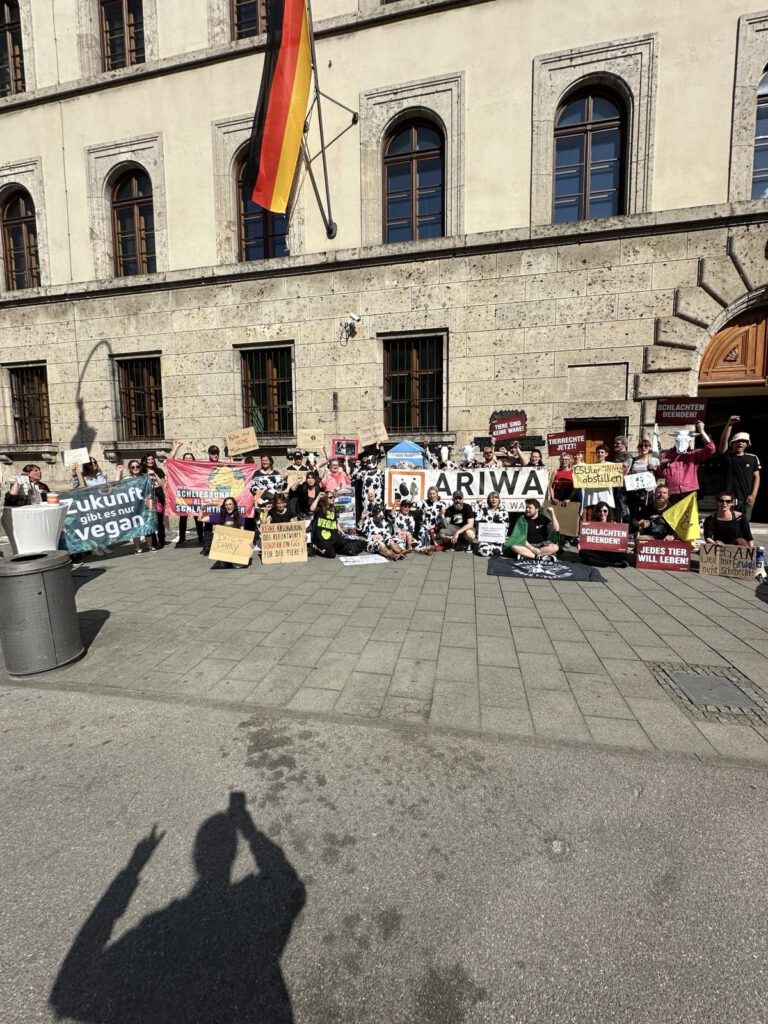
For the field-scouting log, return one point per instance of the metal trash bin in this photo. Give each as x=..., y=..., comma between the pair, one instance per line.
x=38, y=616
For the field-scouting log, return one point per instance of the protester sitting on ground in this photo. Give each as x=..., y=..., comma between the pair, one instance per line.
x=534, y=535
x=28, y=487
x=650, y=521
x=307, y=492
x=335, y=477
x=727, y=525
x=643, y=462
x=603, y=559
x=278, y=512
x=593, y=496
x=227, y=515
x=490, y=511
x=377, y=533
x=404, y=526
x=680, y=465
x=742, y=468
x=536, y=459
x=457, y=530
x=265, y=484
x=561, y=482
x=328, y=539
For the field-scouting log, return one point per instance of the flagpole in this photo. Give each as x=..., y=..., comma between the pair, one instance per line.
x=330, y=225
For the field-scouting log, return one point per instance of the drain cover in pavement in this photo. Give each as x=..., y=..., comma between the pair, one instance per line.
x=712, y=691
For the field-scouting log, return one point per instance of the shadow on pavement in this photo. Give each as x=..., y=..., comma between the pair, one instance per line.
x=90, y=624
x=212, y=957
x=84, y=574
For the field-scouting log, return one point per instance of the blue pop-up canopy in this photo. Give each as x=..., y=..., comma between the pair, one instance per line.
x=406, y=452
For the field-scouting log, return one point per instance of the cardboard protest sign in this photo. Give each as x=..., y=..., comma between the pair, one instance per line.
x=310, y=440
x=75, y=457
x=503, y=426
x=639, y=482
x=604, y=536
x=344, y=447
x=598, y=475
x=108, y=514
x=368, y=436
x=568, y=442
x=283, y=542
x=231, y=545
x=663, y=554
x=731, y=560
x=293, y=477
x=491, y=533
x=240, y=441
x=567, y=517
x=678, y=412
x=514, y=485
x=198, y=488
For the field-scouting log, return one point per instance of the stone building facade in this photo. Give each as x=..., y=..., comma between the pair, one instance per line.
x=584, y=321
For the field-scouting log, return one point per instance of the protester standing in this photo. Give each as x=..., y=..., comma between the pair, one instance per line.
x=680, y=464
x=28, y=487
x=742, y=476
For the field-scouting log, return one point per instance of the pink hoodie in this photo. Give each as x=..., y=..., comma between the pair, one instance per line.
x=682, y=474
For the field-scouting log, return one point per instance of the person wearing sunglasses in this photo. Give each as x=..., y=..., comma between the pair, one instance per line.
x=643, y=462
x=135, y=471
x=727, y=526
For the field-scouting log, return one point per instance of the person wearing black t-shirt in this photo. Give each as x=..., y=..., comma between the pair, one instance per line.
x=458, y=524
x=727, y=526
x=742, y=468
x=530, y=535
x=279, y=511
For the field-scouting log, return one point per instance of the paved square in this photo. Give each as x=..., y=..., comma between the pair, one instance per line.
x=432, y=641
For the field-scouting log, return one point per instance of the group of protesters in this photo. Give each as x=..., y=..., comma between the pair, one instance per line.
x=408, y=526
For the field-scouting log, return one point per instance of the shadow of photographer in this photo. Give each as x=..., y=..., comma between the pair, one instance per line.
x=213, y=956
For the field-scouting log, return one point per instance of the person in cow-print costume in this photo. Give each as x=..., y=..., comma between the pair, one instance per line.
x=368, y=482
x=490, y=511
x=430, y=515
x=377, y=533
x=404, y=526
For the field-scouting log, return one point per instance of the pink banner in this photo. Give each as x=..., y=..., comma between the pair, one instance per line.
x=192, y=488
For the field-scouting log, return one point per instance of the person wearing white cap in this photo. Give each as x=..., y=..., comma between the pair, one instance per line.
x=742, y=467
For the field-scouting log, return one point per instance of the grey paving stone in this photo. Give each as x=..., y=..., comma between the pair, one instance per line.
x=633, y=679
x=668, y=729
x=460, y=597
x=498, y=651
x=257, y=663
x=426, y=622
x=365, y=615
x=592, y=621
x=276, y=692
x=490, y=606
x=457, y=663
x=737, y=741
x=618, y=732
x=413, y=678
x=353, y=639
x=199, y=679
x=522, y=617
x=363, y=695
x=390, y=630
x=400, y=609
x=531, y=641
x=431, y=603
x=506, y=721
x=553, y=610
x=460, y=613
x=378, y=656
x=454, y=716
x=577, y=657
x=405, y=710
x=307, y=654
x=563, y=629
x=609, y=645
x=309, y=699
x=420, y=645
x=557, y=715
x=502, y=689
x=493, y=625
x=542, y=672
x=597, y=695
x=459, y=634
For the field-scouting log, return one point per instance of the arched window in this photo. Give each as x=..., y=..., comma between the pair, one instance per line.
x=414, y=183
x=590, y=130
x=133, y=225
x=22, y=267
x=262, y=234
x=11, y=52
x=760, y=162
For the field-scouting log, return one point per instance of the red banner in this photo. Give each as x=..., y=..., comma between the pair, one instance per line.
x=604, y=536
x=568, y=442
x=192, y=488
x=663, y=554
x=677, y=412
x=505, y=426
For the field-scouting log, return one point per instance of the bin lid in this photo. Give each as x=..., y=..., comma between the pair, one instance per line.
x=26, y=565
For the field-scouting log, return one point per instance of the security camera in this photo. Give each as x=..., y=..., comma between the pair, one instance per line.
x=353, y=317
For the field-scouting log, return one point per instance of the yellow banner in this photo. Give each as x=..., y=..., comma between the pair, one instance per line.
x=598, y=475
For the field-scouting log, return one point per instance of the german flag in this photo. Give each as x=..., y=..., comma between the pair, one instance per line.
x=282, y=106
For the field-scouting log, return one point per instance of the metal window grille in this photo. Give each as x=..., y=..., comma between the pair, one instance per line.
x=268, y=390
x=133, y=224
x=122, y=33
x=589, y=171
x=262, y=234
x=29, y=404
x=22, y=265
x=414, y=183
x=140, y=388
x=249, y=18
x=413, y=384
x=11, y=50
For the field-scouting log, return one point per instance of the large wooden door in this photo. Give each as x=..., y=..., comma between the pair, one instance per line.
x=598, y=432
x=737, y=354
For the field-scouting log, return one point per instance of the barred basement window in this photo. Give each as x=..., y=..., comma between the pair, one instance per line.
x=133, y=224
x=262, y=234
x=413, y=384
x=249, y=18
x=140, y=389
x=122, y=33
x=29, y=404
x=268, y=390
x=11, y=50
x=22, y=265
